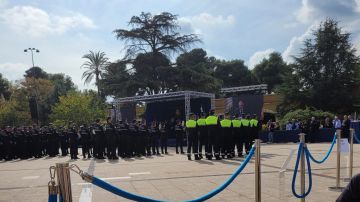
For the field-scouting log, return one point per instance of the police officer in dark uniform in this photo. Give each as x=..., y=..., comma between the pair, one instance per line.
x=226, y=136
x=255, y=126
x=236, y=123
x=63, y=139
x=111, y=139
x=179, y=134
x=131, y=139
x=98, y=133
x=245, y=123
x=164, y=130
x=122, y=130
x=7, y=140
x=192, y=137
x=155, y=135
x=73, y=141
x=202, y=131
x=143, y=137
x=212, y=124
x=85, y=140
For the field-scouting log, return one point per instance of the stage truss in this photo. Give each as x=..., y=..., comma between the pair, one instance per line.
x=180, y=95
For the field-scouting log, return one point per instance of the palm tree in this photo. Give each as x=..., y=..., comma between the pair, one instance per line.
x=95, y=64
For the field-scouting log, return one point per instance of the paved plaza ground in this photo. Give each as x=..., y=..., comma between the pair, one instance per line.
x=173, y=178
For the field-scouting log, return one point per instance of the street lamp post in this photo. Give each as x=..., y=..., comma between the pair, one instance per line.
x=32, y=53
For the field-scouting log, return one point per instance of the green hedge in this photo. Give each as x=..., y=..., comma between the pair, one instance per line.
x=305, y=114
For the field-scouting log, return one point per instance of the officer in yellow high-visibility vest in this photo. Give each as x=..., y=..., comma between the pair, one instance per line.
x=202, y=131
x=236, y=123
x=225, y=138
x=212, y=124
x=254, y=125
x=245, y=124
x=192, y=140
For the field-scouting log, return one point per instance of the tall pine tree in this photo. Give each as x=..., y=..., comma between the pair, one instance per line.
x=325, y=71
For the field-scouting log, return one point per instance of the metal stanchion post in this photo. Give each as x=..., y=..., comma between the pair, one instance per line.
x=302, y=167
x=338, y=146
x=351, y=155
x=64, y=182
x=257, y=171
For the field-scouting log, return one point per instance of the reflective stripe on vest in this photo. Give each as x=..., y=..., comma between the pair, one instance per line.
x=236, y=123
x=226, y=123
x=253, y=122
x=190, y=124
x=245, y=122
x=211, y=120
x=201, y=122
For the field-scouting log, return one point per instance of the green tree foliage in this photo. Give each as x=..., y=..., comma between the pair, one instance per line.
x=41, y=90
x=304, y=115
x=195, y=71
x=233, y=73
x=148, y=44
x=154, y=34
x=62, y=85
x=78, y=107
x=15, y=111
x=271, y=71
x=324, y=74
x=95, y=64
x=4, y=88
x=36, y=72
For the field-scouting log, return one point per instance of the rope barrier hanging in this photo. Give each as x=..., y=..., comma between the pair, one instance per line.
x=302, y=150
x=115, y=190
x=327, y=154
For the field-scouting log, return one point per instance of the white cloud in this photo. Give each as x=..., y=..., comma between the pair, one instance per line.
x=296, y=43
x=357, y=8
x=3, y=3
x=36, y=22
x=196, y=24
x=305, y=13
x=13, y=71
x=258, y=56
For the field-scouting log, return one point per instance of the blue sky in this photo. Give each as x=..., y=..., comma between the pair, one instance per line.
x=64, y=30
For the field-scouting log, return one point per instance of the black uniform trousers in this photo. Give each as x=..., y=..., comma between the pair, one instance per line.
x=179, y=140
x=192, y=141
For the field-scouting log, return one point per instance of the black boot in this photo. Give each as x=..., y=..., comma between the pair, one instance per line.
x=189, y=157
x=197, y=157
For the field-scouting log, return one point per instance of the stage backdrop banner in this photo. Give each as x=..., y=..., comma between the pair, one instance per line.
x=247, y=104
x=172, y=110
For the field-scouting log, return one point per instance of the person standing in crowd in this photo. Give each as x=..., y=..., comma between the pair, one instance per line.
x=270, y=129
x=236, y=139
x=337, y=123
x=245, y=123
x=63, y=141
x=179, y=134
x=254, y=127
x=110, y=139
x=345, y=128
x=192, y=140
x=314, y=127
x=202, y=131
x=164, y=130
x=289, y=125
x=85, y=141
x=73, y=140
x=122, y=130
x=327, y=123
x=212, y=124
x=143, y=138
x=154, y=138
x=98, y=133
x=225, y=138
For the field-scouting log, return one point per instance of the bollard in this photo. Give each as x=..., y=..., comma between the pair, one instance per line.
x=302, y=167
x=257, y=171
x=64, y=182
x=351, y=155
x=337, y=187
